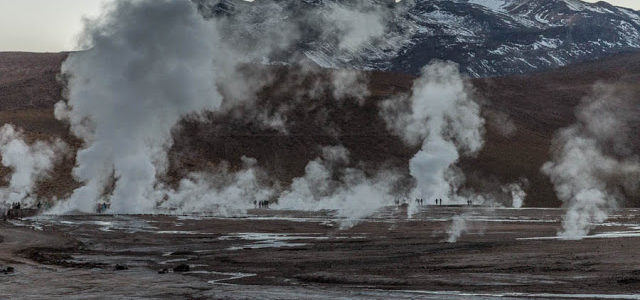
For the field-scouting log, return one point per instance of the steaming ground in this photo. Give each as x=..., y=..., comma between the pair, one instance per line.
x=267, y=254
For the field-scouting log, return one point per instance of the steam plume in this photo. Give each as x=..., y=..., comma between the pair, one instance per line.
x=28, y=162
x=354, y=195
x=517, y=193
x=442, y=118
x=458, y=226
x=591, y=168
x=223, y=192
x=151, y=63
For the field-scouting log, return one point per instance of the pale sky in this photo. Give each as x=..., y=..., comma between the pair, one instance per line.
x=53, y=25
x=43, y=25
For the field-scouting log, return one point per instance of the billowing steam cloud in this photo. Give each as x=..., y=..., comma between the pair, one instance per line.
x=151, y=63
x=591, y=168
x=222, y=192
x=328, y=184
x=458, y=226
x=28, y=162
x=355, y=26
x=441, y=116
x=516, y=191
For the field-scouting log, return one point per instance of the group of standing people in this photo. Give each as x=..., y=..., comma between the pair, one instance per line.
x=438, y=201
x=261, y=204
x=102, y=207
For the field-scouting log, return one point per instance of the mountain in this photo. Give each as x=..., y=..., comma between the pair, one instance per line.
x=486, y=37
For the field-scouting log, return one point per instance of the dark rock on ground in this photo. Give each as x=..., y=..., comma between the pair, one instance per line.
x=121, y=268
x=181, y=268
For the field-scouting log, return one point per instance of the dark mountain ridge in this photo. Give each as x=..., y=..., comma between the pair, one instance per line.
x=486, y=37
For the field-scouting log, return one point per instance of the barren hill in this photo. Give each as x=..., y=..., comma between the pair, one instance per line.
x=537, y=105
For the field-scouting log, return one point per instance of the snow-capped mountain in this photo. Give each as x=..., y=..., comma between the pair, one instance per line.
x=486, y=37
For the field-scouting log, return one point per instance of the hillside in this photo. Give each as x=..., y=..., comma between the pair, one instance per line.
x=486, y=37
x=537, y=104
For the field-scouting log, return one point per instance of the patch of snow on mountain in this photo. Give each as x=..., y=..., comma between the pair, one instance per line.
x=547, y=43
x=494, y=5
x=577, y=5
x=630, y=34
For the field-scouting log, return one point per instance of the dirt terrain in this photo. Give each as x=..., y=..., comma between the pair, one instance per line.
x=504, y=254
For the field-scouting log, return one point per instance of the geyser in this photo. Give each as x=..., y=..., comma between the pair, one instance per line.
x=150, y=63
x=28, y=163
x=440, y=116
x=592, y=168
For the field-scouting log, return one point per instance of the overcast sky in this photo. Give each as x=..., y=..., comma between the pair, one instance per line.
x=52, y=25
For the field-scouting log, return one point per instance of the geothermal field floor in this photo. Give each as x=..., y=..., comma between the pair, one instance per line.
x=269, y=254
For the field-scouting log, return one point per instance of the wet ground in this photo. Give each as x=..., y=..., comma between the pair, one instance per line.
x=503, y=254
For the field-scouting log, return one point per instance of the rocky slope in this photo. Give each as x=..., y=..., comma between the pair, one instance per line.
x=486, y=37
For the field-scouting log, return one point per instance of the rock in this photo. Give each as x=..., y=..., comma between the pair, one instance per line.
x=181, y=268
x=121, y=268
x=7, y=270
x=163, y=271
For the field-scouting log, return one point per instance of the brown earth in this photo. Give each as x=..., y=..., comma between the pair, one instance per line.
x=538, y=105
x=297, y=255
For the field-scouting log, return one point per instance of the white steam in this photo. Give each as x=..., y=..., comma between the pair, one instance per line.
x=151, y=63
x=329, y=185
x=517, y=193
x=591, y=170
x=28, y=163
x=349, y=83
x=458, y=226
x=355, y=27
x=223, y=192
x=442, y=118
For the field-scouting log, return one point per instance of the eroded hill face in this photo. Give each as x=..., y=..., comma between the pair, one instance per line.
x=522, y=113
